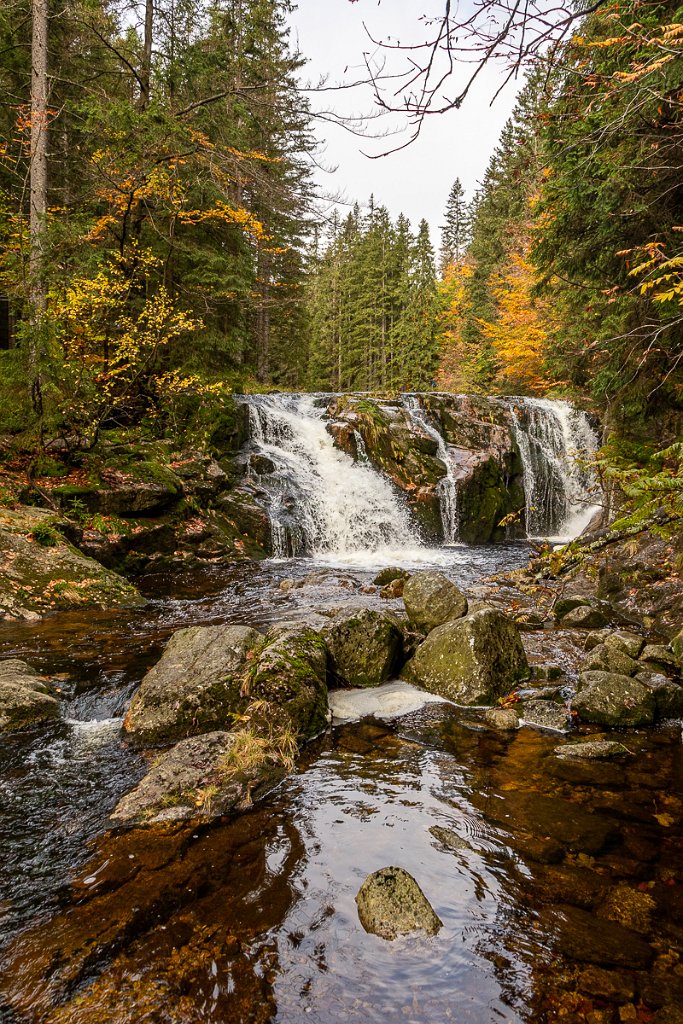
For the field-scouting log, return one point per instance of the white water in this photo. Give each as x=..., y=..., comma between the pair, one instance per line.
x=447, y=487
x=555, y=441
x=322, y=502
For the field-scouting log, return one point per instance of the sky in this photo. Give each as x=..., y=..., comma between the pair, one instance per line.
x=415, y=181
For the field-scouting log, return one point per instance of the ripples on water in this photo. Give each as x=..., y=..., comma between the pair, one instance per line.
x=254, y=920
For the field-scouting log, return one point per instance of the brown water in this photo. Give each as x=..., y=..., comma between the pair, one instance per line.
x=560, y=884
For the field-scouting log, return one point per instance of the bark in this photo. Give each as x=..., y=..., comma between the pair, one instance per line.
x=146, y=70
x=38, y=154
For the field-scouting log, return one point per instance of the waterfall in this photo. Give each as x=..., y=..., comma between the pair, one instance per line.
x=561, y=491
x=447, y=487
x=321, y=502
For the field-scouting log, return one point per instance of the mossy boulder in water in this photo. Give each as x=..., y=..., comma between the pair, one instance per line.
x=608, y=698
x=289, y=677
x=431, y=599
x=473, y=660
x=24, y=698
x=391, y=903
x=196, y=685
x=366, y=648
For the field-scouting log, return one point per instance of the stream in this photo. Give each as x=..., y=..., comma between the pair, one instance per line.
x=559, y=883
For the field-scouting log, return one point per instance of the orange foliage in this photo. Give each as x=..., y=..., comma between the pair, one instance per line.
x=456, y=368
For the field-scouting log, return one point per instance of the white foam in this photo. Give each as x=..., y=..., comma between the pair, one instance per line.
x=388, y=701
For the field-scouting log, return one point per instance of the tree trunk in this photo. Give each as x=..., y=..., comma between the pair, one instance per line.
x=146, y=69
x=38, y=154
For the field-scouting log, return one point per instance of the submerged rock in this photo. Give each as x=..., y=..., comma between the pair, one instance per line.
x=593, y=750
x=575, y=934
x=546, y=714
x=608, y=698
x=24, y=698
x=432, y=599
x=366, y=648
x=391, y=903
x=472, y=660
x=196, y=685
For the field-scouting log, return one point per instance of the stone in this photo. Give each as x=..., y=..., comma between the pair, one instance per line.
x=389, y=575
x=290, y=677
x=365, y=646
x=504, y=719
x=584, y=617
x=545, y=714
x=607, y=657
x=597, y=636
x=615, y=986
x=660, y=657
x=568, y=604
x=629, y=643
x=450, y=839
x=196, y=686
x=391, y=903
x=677, y=647
x=631, y=907
x=431, y=599
x=40, y=572
x=611, y=699
x=24, y=698
x=392, y=590
x=188, y=781
x=575, y=934
x=472, y=661
x=668, y=694
x=593, y=750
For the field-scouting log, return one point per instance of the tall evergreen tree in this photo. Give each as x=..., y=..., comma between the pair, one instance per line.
x=456, y=229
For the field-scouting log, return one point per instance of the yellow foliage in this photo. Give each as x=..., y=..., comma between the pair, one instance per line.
x=519, y=335
x=457, y=362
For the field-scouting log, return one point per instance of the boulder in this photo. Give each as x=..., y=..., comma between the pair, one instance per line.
x=593, y=750
x=546, y=714
x=584, y=617
x=567, y=604
x=366, y=648
x=432, y=599
x=610, y=658
x=677, y=647
x=391, y=903
x=659, y=658
x=472, y=660
x=40, y=572
x=612, y=699
x=668, y=694
x=389, y=575
x=392, y=590
x=503, y=719
x=24, y=698
x=629, y=643
x=197, y=685
x=289, y=678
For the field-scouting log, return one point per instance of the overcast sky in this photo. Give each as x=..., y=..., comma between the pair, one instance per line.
x=417, y=180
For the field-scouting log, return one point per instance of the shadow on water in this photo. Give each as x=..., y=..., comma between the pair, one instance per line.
x=559, y=884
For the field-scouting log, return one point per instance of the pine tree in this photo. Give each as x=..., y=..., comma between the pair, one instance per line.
x=456, y=229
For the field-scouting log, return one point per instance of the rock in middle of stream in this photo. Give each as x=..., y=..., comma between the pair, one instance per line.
x=391, y=903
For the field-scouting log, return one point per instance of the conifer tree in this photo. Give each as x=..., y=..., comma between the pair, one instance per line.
x=456, y=229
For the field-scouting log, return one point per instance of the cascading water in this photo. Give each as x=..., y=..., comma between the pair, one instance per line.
x=447, y=487
x=322, y=502
x=554, y=439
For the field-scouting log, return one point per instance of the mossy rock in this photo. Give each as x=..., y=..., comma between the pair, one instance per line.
x=366, y=648
x=290, y=676
x=24, y=698
x=608, y=698
x=391, y=903
x=431, y=599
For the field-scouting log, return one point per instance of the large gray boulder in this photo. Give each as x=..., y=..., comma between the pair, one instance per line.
x=609, y=657
x=366, y=648
x=24, y=698
x=197, y=685
x=472, y=660
x=608, y=698
x=432, y=599
x=289, y=682
x=391, y=903
x=190, y=780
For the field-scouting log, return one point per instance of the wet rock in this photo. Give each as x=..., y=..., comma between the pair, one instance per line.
x=677, y=647
x=659, y=658
x=593, y=750
x=24, y=698
x=389, y=575
x=196, y=685
x=366, y=648
x=611, y=699
x=40, y=572
x=546, y=714
x=631, y=907
x=546, y=672
x=629, y=643
x=576, y=935
x=505, y=719
x=584, y=617
x=609, y=658
x=188, y=781
x=391, y=903
x=432, y=599
x=572, y=825
x=668, y=694
x=392, y=590
x=568, y=604
x=450, y=839
x=472, y=660
x=202, y=477
x=289, y=676
x=596, y=637
x=614, y=986
x=540, y=849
